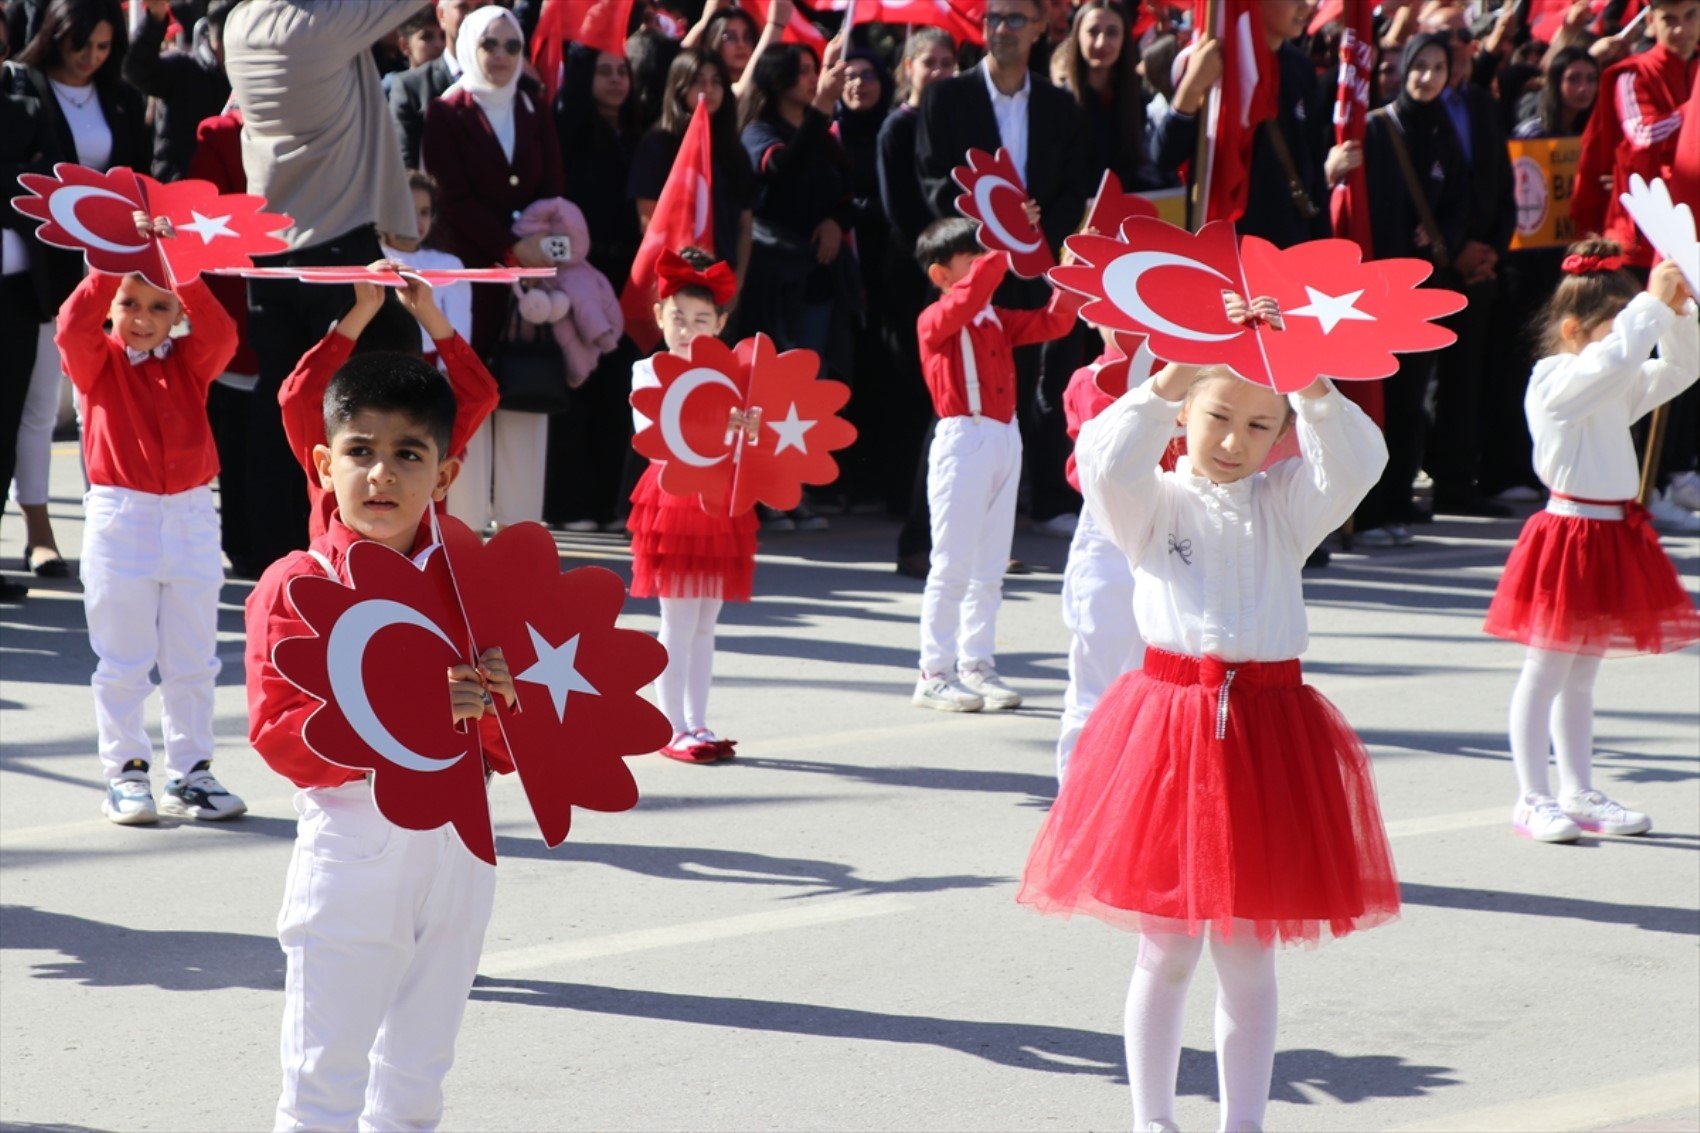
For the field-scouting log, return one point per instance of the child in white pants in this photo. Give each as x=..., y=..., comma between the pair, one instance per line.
x=151, y=564
x=974, y=465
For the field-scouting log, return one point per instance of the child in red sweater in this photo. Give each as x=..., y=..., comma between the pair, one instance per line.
x=974, y=465
x=151, y=565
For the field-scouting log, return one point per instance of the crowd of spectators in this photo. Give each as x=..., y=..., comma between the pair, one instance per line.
x=826, y=167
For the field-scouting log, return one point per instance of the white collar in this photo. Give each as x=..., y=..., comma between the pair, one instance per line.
x=992, y=88
x=137, y=357
x=1237, y=493
x=988, y=315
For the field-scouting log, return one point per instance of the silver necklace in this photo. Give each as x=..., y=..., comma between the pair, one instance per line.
x=63, y=91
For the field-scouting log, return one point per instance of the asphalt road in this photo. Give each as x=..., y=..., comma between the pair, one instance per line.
x=822, y=933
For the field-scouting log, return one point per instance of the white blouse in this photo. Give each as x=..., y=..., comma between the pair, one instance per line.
x=643, y=377
x=1580, y=406
x=89, y=129
x=1216, y=566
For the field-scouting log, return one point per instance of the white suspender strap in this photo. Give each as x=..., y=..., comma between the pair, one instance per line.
x=330, y=571
x=970, y=374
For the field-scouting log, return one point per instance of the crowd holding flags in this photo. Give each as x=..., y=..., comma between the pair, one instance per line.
x=1246, y=97
x=683, y=218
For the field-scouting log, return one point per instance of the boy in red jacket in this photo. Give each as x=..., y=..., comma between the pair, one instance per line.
x=974, y=465
x=151, y=565
x=381, y=927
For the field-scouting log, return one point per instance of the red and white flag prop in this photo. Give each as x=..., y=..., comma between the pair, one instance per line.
x=683, y=218
x=1547, y=16
x=600, y=24
x=994, y=195
x=355, y=273
x=1341, y=318
x=1112, y=205
x=737, y=427
x=91, y=212
x=797, y=30
x=382, y=643
x=1247, y=95
x=963, y=19
x=1667, y=224
x=1349, y=202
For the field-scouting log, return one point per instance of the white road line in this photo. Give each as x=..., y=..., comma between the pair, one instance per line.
x=697, y=932
x=1611, y=1103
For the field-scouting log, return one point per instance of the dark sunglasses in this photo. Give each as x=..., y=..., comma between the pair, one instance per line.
x=1014, y=21
x=491, y=46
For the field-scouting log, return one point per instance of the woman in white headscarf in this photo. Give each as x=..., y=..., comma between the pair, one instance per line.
x=491, y=144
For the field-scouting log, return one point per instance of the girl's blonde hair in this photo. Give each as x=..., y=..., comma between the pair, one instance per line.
x=1587, y=292
x=1222, y=373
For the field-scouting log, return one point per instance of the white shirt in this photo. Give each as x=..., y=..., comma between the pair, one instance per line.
x=93, y=137
x=1580, y=406
x=1216, y=566
x=1011, y=112
x=643, y=377
x=454, y=300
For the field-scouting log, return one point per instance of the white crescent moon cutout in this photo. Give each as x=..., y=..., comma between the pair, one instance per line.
x=345, y=658
x=62, y=207
x=983, y=190
x=1121, y=287
x=673, y=403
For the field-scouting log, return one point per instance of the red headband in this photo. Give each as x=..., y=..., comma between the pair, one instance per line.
x=1590, y=265
x=675, y=273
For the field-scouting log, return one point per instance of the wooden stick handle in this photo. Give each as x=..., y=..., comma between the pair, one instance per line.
x=1650, y=461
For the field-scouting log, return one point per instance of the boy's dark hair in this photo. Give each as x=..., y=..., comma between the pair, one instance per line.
x=425, y=18
x=701, y=261
x=391, y=383
x=944, y=240
x=1591, y=298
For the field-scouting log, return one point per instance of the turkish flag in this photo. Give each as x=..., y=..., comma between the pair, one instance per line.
x=1349, y=202
x=995, y=196
x=600, y=24
x=1247, y=96
x=1547, y=16
x=963, y=19
x=683, y=218
x=799, y=30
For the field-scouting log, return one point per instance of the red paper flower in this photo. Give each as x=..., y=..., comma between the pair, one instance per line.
x=214, y=230
x=576, y=672
x=994, y=194
x=797, y=431
x=378, y=661
x=690, y=418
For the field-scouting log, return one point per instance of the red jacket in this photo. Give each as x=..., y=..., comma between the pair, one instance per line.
x=145, y=424
x=1635, y=130
x=1082, y=401
x=277, y=710
x=302, y=399
x=991, y=333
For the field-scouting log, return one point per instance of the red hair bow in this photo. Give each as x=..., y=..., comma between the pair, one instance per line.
x=1589, y=265
x=675, y=272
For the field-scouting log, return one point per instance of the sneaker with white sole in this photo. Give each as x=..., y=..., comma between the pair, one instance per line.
x=941, y=694
x=129, y=799
x=1539, y=817
x=199, y=795
x=985, y=683
x=1592, y=811
x=1684, y=490
x=1671, y=517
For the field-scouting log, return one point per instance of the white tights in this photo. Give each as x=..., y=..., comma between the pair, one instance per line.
x=1245, y=1025
x=1553, y=707
x=687, y=630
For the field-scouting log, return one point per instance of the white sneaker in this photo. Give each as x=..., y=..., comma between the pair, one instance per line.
x=1539, y=817
x=941, y=694
x=129, y=799
x=1591, y=810
x=199, y=795
x=1671, y=517
x=984, y=682
x=1684, y=490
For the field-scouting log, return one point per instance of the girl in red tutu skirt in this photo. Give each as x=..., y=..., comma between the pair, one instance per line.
x=1587, y=576
x=692, y=561
x=1212, y=794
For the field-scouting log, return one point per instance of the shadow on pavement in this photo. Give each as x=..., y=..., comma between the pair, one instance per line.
x=1035, y=786
x=108, y=955
x=1653, y=918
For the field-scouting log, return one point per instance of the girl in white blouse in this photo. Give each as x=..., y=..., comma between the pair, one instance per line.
x=1212, y=793
x=1587, y=576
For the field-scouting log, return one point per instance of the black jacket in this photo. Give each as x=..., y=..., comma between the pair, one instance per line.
x=1393, y=216
x=28, y=144
x=189, y=88
x=1493, y=200
x=410, y=92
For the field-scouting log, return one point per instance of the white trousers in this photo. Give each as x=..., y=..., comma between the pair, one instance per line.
x=151, y=571
x=501, y=480
x=973, y=470
x=1097, y=605
x=35, y=427
x=381, y=929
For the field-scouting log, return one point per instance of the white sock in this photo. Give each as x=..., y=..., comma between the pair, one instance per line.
x=1246, y=1003
x=1572, y=723
x=1156, y=1002
x=1538, y=686
x=701, y=664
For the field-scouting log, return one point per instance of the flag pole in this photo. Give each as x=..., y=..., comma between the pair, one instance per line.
x=1650, y=461
x=1201, y=158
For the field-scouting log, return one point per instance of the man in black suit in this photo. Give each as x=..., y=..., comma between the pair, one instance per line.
x=1002, y=103
x=411, y=91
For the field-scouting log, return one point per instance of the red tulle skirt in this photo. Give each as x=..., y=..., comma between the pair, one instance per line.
x=1204, y=795
x=1592, y=586
x=681, y=551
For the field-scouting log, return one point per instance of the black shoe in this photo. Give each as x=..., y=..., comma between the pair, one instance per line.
x=1465, y=503
x=53, y=566
x=1318, y=559
x=915, y=565
x=12, y=591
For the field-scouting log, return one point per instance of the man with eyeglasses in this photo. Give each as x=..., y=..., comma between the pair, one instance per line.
x=411, y=91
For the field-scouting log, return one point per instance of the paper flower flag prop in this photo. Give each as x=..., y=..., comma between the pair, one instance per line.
x=91, y=212
x=382, y=644
x=1113, y=205
x=1342, y=318
x=735, y=427
x=1667, y=225
x=434, y=277
x=994, y=196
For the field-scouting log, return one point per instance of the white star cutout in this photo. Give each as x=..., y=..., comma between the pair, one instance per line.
x=1332, y=310
x=556, y=669
x=791, y=429
x=208, y=227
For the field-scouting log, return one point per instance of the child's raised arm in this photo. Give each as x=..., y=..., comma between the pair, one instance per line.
x=77, y=330
x=956, y=308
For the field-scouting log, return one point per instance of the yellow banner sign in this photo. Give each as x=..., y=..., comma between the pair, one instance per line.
x=1544, y=175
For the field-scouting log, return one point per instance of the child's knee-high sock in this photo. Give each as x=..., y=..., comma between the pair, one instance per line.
x=1246, y=1002
x=1538, y=685
x=1156, y=1000
x=701, y=667
x=1573, y=726
x=678, y=626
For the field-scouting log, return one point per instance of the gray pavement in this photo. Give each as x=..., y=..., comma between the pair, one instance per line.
x=822, y=934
